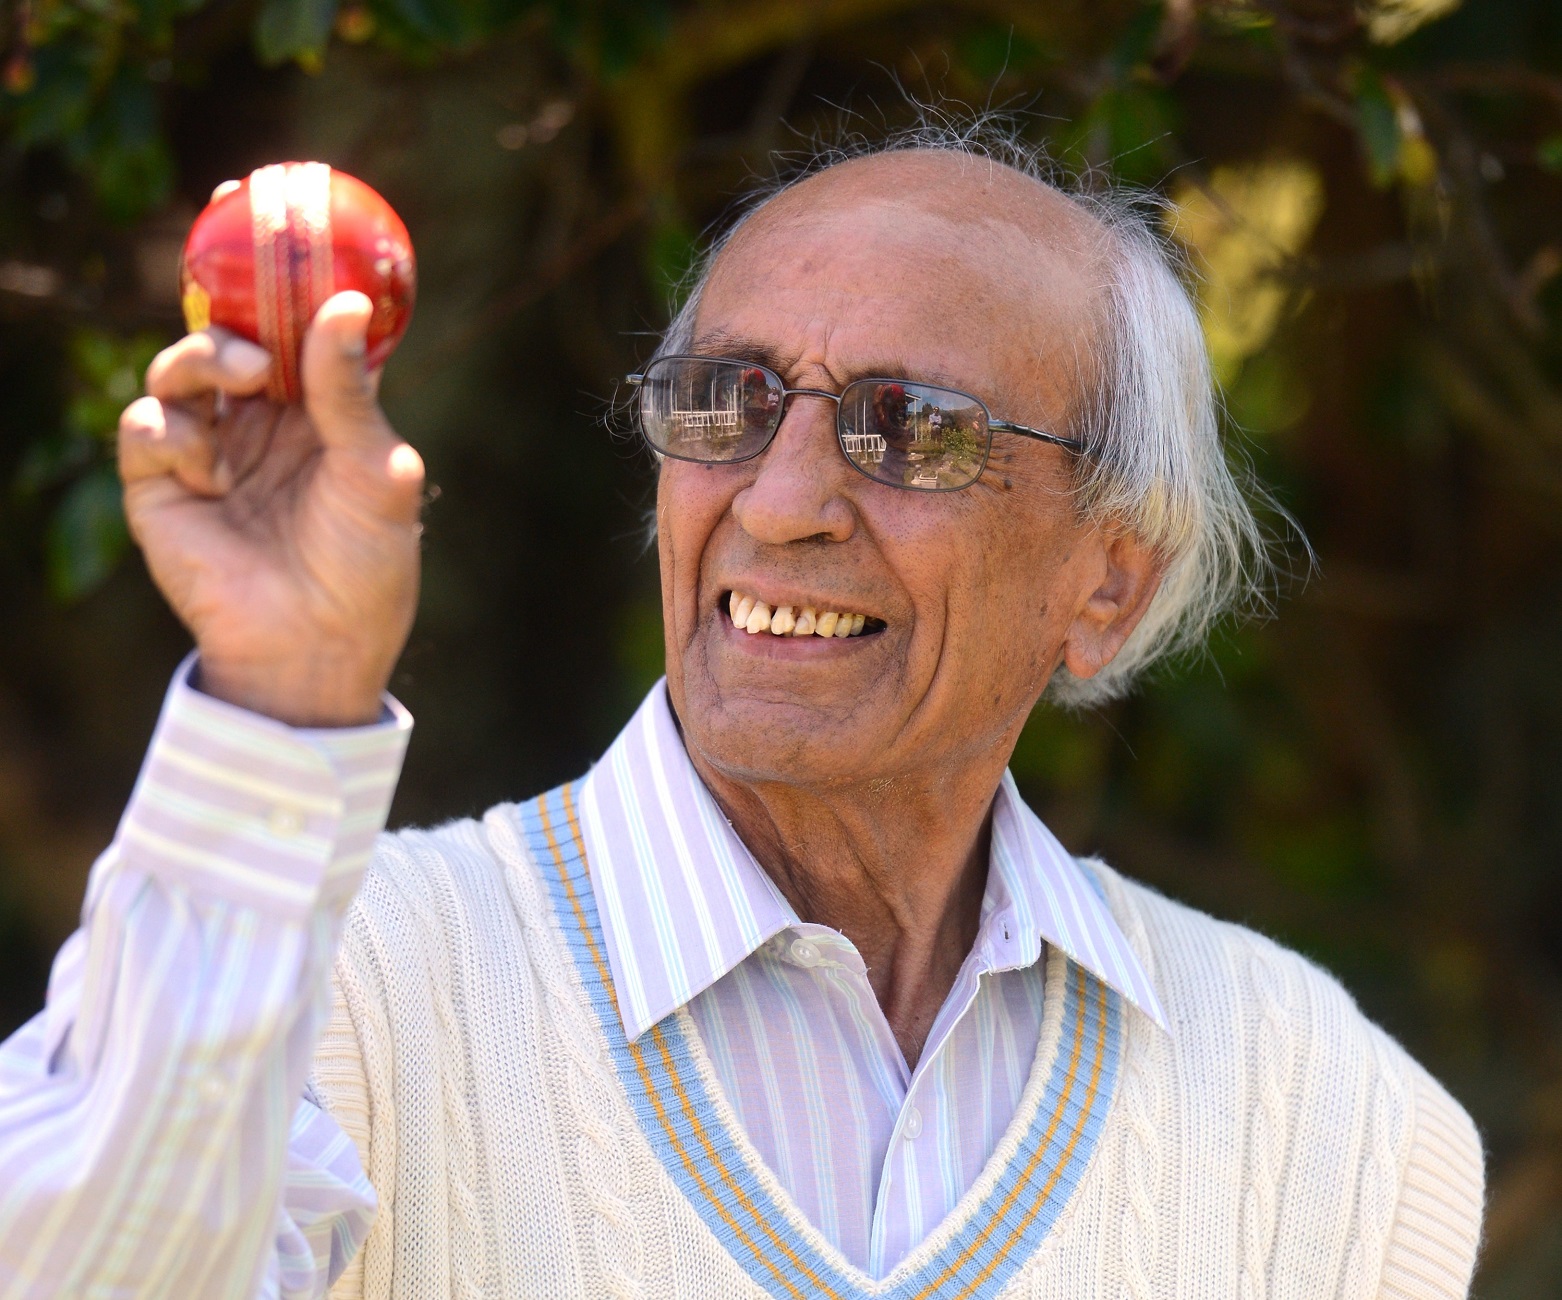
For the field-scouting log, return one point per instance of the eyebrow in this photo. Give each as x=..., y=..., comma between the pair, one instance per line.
x=742, y=347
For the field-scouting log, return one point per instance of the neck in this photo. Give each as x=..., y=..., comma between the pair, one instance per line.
x=899, y=867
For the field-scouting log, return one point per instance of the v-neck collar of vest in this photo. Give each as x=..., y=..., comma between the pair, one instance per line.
x=684, y=1115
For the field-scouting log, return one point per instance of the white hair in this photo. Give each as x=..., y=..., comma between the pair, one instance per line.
x=1147, y=411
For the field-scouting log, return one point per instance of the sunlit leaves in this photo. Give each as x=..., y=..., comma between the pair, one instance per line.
x=1389, y=21
x=107, y=372
x=1242, y=227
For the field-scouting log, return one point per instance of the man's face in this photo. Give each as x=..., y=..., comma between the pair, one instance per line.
x=915, y=266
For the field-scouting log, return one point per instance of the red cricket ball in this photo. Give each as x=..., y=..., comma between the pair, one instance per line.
x=268, y=250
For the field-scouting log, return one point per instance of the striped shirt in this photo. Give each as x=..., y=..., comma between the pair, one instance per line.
x=874, y=1153
x=152, y=1136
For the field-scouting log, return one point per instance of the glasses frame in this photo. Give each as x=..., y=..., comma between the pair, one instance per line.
x=993, y=424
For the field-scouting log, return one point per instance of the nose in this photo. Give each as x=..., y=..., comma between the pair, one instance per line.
x=797, y=490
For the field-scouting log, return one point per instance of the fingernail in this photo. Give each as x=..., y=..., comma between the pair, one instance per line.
x=242, y=361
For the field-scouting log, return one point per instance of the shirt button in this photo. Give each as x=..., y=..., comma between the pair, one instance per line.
x=912, y=1128
x=804, y=953
x=284, y=822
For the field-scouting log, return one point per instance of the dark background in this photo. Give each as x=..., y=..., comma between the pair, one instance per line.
x=1370, y=194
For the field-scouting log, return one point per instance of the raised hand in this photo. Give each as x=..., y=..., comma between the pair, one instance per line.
x=284, y=537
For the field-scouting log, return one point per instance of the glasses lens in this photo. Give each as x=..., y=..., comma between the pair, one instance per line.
x=693, y=409
x=914, y=435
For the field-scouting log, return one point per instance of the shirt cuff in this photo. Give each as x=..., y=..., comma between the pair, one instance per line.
x=247, y=810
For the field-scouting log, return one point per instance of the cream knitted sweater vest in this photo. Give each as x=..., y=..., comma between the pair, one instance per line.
x=1274, y=1145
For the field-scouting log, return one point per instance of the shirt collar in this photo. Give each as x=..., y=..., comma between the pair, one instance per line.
x=683, y=901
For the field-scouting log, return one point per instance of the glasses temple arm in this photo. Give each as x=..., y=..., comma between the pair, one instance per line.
x=1003, y=426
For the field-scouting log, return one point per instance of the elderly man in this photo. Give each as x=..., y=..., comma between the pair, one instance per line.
x=791, y=995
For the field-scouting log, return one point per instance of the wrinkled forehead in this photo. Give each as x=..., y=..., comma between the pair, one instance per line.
x=921, y=261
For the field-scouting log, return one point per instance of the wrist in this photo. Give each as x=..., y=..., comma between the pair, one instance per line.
x=318, y=692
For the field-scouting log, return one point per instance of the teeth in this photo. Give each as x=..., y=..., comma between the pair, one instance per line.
x=754, y=616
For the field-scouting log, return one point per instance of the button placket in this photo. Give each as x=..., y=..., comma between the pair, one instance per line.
x=805, y=952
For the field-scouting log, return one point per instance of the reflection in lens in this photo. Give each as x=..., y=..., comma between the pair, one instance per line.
x=708, y=410
x=913, y=435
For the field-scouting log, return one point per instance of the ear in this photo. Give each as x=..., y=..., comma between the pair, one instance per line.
x=1126, y=581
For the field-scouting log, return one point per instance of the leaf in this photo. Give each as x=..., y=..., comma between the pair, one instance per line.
x=1377, y=123
x=1137, y=42
x=443, y=22
x=992, y=50
x=293, y=29
x=60, y=101
x=124, y=150
x=87, y=536
x=51, y=459
x=1125, y=130
x=108, y=372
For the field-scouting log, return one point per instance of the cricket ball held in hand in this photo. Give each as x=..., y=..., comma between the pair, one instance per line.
x=270, y=249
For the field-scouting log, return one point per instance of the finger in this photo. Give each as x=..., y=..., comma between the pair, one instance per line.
x=341, y=396
x=156, y=439
x=340, y=393
x=210, y=360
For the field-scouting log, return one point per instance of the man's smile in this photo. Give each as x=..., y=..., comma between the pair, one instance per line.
x=802, y=618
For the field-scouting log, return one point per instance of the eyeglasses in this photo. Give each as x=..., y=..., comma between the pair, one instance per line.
x=918, y=436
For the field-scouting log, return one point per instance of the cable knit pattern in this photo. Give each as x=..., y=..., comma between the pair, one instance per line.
x=1146, y=1114
x=1273, y=1060
x=438, y=910
x=1380, y=1178
x=1273, y=1144
x=592, y=1088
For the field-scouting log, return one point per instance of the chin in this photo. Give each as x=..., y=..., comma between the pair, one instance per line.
x=760, y=738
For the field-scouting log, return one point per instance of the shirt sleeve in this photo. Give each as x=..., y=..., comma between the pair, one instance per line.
x=152, y=1137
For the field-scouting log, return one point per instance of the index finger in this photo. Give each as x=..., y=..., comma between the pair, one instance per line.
x=210, y=360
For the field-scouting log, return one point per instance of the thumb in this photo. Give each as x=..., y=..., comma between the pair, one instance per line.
x=339, y=392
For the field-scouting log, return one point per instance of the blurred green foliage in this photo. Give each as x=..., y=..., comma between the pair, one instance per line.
x=86, y=535
x=1367, y=193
